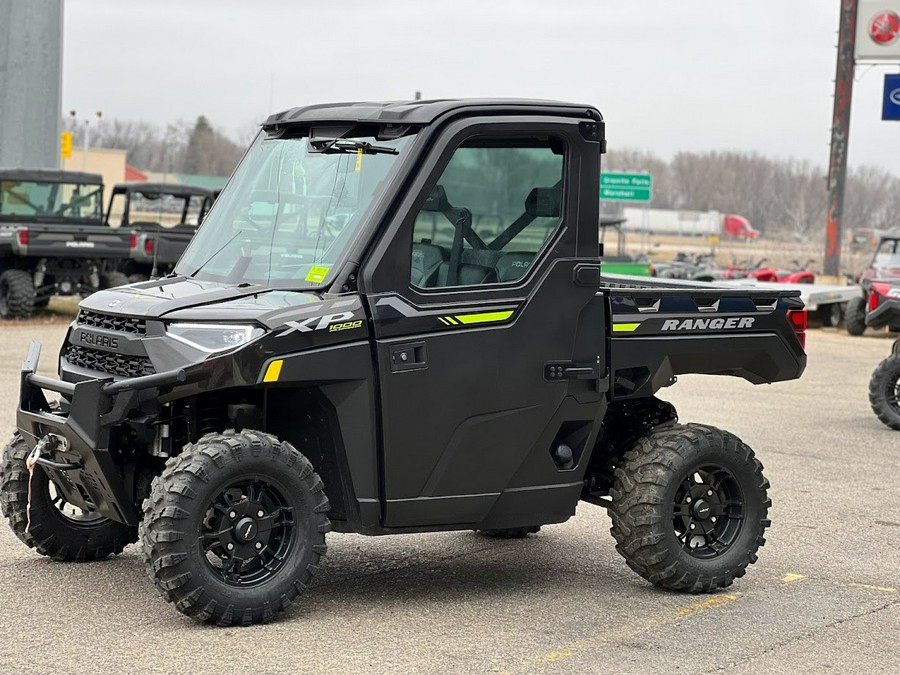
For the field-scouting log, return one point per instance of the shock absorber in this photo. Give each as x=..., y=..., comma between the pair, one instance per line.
x=93, y=276
x=39, y=273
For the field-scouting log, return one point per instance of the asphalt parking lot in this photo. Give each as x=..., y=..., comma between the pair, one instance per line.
x=824, y=594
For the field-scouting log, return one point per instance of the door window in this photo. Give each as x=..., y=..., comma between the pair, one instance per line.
x=493, y=209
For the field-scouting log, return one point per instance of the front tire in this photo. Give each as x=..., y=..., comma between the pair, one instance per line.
x=234, y=528
x=884, y=391
x=855, y=316
x=689, y=508
x=58, y=530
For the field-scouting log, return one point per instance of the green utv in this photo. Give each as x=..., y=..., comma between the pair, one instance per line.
x=394, y=319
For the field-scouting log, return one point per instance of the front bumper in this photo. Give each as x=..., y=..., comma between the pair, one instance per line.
x=886, y=314
x=75, y=451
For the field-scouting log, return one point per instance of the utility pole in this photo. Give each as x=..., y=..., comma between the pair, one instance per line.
x=840, y=136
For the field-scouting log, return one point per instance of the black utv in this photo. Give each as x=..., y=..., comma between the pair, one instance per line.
x=394, y=320
x=53, y=240
x=162, y=219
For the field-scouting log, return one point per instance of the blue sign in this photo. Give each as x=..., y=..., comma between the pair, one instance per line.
x=890, y=110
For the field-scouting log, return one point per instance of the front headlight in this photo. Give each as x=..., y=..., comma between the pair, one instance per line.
x=213, y=337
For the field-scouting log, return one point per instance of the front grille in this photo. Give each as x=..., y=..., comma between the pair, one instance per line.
x=105, y=362
x=123, y=324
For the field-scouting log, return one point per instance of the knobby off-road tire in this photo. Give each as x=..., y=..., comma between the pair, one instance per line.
x=113, y=279
x=657, y=497
x=234, y=528
x=511, y=532
x=16, y=294
x=855, y=316
x=62, y=535
x=883, y=391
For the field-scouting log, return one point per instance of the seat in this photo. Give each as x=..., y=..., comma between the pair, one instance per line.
x=513, y=266
x=469, y=275
x=426, y=263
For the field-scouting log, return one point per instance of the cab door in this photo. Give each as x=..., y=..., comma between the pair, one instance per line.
x=488, y=330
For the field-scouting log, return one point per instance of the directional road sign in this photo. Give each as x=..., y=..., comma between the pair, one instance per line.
x=626, y=187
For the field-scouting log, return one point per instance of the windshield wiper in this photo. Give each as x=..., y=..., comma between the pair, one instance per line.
x=330, y=146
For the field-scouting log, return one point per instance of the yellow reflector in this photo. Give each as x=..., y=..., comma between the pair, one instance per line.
x=625, y=327
x=273, y=371
x=483, y=317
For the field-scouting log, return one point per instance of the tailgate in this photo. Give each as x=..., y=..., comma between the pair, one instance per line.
x=660, y=332
x=75, y=241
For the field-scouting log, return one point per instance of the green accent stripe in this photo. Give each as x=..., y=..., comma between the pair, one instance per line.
x=484, y=317
x=625, y=327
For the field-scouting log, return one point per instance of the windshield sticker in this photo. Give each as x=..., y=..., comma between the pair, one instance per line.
x=359, y=154
x=317, y=274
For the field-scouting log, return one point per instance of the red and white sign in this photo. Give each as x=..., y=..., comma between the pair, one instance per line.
x=878, y=30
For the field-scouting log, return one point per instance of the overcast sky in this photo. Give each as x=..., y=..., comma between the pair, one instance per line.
x=667, y=75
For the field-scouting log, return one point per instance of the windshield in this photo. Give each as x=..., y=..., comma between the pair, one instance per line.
x=157, y=208
x=291, y=210
x=39, y=199
x=887, y=255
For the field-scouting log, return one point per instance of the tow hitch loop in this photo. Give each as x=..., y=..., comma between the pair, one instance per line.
x=30, y=463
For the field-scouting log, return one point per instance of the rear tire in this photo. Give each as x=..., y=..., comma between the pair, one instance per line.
x=884, y=391
x=16, y=294
x=681, y=533
x=113, y=279
x=234, y=528
x=56, y=530
x=855, y=316
x=831, y=315
x=511, y=532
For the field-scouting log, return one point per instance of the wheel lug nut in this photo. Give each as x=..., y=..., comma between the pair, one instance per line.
x=713, y=519
x=230, y=546
x=258, y=545
x=693, y=527
x=232, y=515
x=709, y=493
x=260, y=513
x=688, y=500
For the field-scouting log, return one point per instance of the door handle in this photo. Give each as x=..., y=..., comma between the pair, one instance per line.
x=408, y=356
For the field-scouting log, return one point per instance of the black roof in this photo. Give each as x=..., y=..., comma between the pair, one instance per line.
x=50, y=176
x=422, y=112
x=174, y=189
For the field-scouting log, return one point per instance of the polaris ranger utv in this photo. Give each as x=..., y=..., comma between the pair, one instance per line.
x=162, y=219
x=393, y=320
x=53, y=240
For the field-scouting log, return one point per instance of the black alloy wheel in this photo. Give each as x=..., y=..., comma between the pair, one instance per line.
x=708, y=511
x=248, y=533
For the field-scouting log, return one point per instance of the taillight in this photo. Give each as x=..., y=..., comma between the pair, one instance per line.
x=133, y=244
x=23, y=237
x=877, y=293
x=798, y=320
x=148, y=246
x=873, y=301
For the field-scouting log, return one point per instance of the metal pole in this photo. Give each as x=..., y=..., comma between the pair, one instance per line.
x=840, y=136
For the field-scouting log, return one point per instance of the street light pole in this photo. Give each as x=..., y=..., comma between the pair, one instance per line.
x=87, y=137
